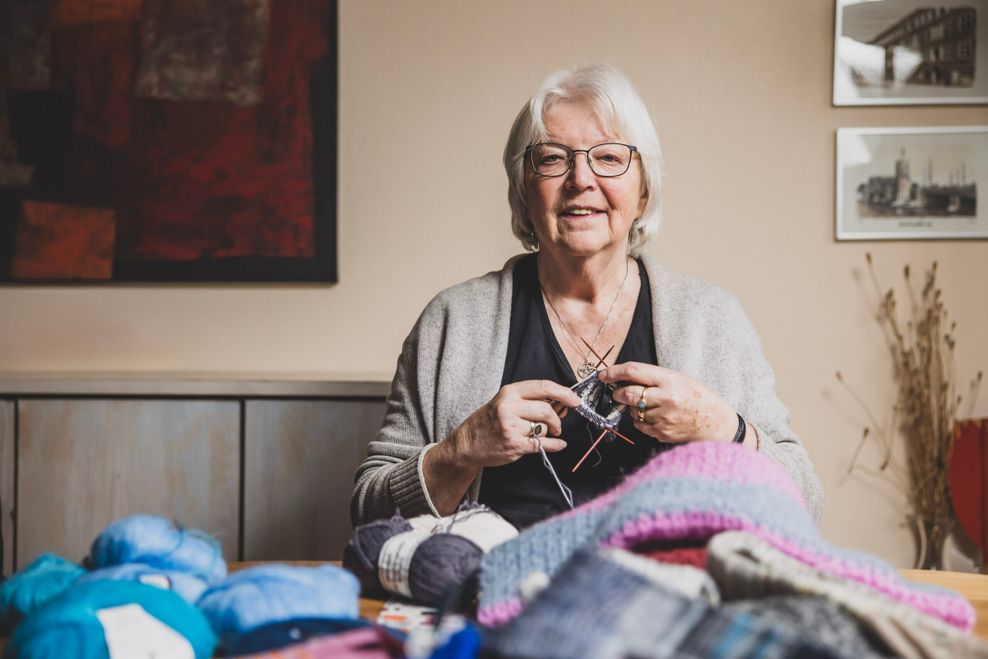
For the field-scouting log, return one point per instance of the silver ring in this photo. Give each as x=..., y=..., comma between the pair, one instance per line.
x=538, y=429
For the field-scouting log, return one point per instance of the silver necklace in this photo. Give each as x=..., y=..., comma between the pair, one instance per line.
x=588, y=366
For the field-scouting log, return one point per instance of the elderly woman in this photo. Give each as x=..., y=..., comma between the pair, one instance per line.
x=478, y=407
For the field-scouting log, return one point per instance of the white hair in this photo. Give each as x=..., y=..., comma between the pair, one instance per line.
x=621, y=108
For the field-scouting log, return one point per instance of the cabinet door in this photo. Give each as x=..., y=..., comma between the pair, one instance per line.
x=7, y=485
x=84, y=463
x=299, y=461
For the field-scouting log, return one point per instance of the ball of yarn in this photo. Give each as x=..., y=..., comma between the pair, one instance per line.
x=275, y=593
x=158, y=542
x=68, y=625
x=441, y=565
x=187, y=586
x=46, y=577
x=475, y=522
x=362, y=552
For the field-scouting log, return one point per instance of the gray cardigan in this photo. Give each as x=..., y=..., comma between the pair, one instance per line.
x=453, y=360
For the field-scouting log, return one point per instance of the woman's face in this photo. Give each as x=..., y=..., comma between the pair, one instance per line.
x=580, y=213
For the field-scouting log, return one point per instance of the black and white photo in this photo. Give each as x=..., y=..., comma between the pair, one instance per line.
x=911, y=183
x=910, y=52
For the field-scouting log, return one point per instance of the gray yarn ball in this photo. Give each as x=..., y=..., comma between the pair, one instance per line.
x=441, y=565
x=364, y=549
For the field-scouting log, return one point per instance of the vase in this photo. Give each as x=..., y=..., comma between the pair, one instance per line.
x=942, y=544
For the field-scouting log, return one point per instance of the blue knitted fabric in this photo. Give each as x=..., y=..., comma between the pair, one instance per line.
x=598, y=608
x=691, y=493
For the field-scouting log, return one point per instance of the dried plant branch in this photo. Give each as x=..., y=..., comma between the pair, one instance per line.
x=922, y=347
x=973, y=392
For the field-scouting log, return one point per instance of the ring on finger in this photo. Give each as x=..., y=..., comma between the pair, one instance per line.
x=642, y=404
x=537, y=430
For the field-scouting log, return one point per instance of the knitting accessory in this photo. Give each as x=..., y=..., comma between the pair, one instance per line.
x=597, y=406
x=565, y=491
x=537, y=430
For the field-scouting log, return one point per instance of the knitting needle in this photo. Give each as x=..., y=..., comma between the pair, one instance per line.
x=589, y=450
x=594, y=352
x=615, y=432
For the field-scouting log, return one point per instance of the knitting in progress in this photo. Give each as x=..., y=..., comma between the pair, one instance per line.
x=689, y=494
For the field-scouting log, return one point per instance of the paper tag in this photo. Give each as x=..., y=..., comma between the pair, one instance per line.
x=132, y=633
x=156, y=580
x=405, y=616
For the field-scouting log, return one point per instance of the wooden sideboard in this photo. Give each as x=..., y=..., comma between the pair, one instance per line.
x=264, y=464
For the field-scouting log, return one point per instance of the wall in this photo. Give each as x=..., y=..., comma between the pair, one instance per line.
x=741, y=96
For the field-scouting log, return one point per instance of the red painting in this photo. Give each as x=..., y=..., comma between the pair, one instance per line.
x=204, y=130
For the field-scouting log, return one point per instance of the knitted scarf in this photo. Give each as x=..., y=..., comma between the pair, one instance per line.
x=688, y=494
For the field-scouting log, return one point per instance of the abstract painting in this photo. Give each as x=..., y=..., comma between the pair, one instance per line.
x=167, y=141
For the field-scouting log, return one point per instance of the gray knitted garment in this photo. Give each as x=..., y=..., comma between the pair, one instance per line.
x=452, y=362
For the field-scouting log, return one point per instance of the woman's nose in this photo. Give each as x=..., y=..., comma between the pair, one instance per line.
x=580, y=174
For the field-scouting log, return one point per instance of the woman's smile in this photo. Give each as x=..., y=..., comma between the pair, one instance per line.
x=582, y=213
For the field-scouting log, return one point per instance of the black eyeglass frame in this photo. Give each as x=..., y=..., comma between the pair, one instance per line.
x=572, y=158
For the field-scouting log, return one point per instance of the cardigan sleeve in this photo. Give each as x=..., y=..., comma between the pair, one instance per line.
x=391, y=477
x=760, y=404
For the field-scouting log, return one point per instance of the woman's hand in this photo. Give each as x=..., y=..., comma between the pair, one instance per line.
x=496, y=434
x=500, y=431
x=678, y=408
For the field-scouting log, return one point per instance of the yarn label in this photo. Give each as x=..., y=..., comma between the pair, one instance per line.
x=156, y=580
x=132, y=633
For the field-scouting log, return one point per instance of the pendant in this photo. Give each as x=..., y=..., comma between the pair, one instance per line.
x=585, y=369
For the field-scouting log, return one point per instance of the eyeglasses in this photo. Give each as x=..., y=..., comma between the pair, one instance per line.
x=607, y=160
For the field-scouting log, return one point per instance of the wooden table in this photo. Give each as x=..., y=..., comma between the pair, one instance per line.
x=972, y=586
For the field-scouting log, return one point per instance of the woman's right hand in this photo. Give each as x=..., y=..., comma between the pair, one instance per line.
x=500, y=431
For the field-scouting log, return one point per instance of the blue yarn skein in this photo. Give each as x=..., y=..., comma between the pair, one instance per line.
x=67, y=626
x=275, y=593
x=187, y=586
x=158, y=542
x=46, y=577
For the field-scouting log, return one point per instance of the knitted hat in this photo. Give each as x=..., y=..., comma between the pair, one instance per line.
x=691, y=493
x=598, y=608
x=745, y=566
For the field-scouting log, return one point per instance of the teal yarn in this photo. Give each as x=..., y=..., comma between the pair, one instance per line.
x=267, y=594
x=67, y=626
x=160, y=543
x=46, y=577
x=187, y=586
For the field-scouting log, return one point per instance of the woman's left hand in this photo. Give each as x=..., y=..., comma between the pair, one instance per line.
x=677, y=408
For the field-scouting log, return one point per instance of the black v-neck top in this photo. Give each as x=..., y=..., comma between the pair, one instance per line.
x=524, y=491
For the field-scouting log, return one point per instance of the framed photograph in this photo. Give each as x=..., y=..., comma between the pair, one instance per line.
x=162, y=141
x=910, y=52
x=911, y=183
